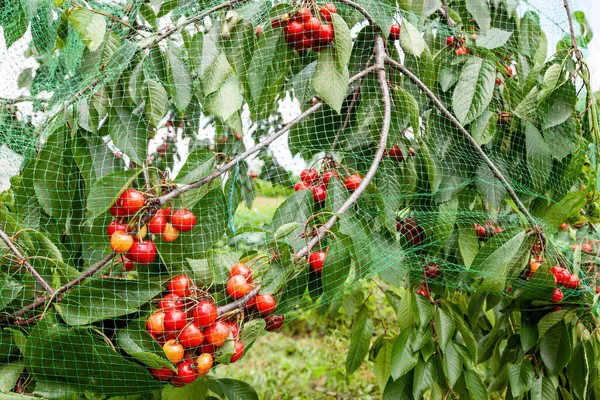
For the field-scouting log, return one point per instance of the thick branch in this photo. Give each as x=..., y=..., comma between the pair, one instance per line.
x=380, y=56
x=414, y=79
x=28, y=266
x=239, y=303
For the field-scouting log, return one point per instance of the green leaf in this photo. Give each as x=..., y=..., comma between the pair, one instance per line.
x=452, y=364
x=237, y=390
x=521, y=377
x=474, y=89
x=476, y=388
x=528, y=105
x=212, y=216
x=480, y=10
x=383, y=363
x=14, y=27
x=411, y=40
x=330, y=82
x=398, y=389
x=157, y=102
x=180, y=81
x=337, y=266
x=343, y=42
x=403, y=308
x=558, y=212
x=551, y=77
x=407, y=107
x=360, y=339
x=90, y=27
x=138, y=343
x=216, y=74
x=539, y=157
x=492, y=262
x=227, y=100
x=444, y=327
x=466, y=333
x=9, y=375
x=578, y=370
x=403, y=358
x=9, y=290
x=196, y=390
x=128, y=132
x=106, y=191
x=549, y=320
x=468, y=244
x=296, y=208
x=198, y=164
x=494, y=38
x=556, y=348
x=543, y=389
x=424, y=378
x=528, y=334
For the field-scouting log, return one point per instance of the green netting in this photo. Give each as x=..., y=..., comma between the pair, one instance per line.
x=442, y=147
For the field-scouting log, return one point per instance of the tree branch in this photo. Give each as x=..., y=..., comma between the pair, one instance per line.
x=361, y=10
x=414, y=79
x=380, y=56
x=28, y=266
x=572, y=32
x=239, y=303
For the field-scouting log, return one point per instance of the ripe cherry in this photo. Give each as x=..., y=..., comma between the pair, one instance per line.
x=432, y=270
x=509, y=70
x=239, y=352
x=185, y=373
x=462, y=51
x=573, y=281
x=235, y=329
x=301, y=186
x=180, y=285
x=128, y=265
x=241, y=269
x=205, y=313
x=238, y=287
x=316, y=260
x=183, y=220
x=293, y=31
x=141, y=233
x=155, y=324
x=170, y=302
x=597, y=289
x=303, y=14
x=564, y=226
x=158, y=223
x=556, y=308
x=312, y=25
x=251, y=303
x=162, y=374
x=534, y=264
x=410, y=230
x=395, y=32
x=274, y=322
x=204, y=363
x=206, y=348
x=326, y=34
x=309, y=176
x=175, y=320
x=327, y=10
x=174, y=351
x=480, y=231
x=167, y=213
x=557, y=296
x=116, y=226
x=423, y=292
x=117, y=211
x=319, y=194
x=326, y=177
x=450, y=41
x=265, y=304
x=170, y=234
x=303, y=44
x=352, y=182
x=587, y=248
x=120, y=242
x=217, y=333
x=131, y=201
x=191, y=336
x=143, y=252
x=395, y=153
x=498, y=82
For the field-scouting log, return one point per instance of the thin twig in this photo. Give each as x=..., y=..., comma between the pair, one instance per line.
x=444, y=11
x=238, y=303
x=380, y=56
x=572, y=31
x=361, y=10
x=23, y=261
x=414, y=79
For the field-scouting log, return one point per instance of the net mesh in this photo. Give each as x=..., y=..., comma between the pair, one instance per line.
x=437, y=146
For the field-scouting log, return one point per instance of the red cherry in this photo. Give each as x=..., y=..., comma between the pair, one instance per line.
x=239, y=352
x=191, y=336
x=395, y=153
x=251, y=303
x=423, y=292
x=309, y=176
x=509, y=70
x=161, y=374
x=274, y=322
x=326, y=34
x=557, y=296
x=117, y=211
x=327, y=176
x=556, y=308
x=301, y=186
x=180, y=285
x=170, y=302
x=352, y=182
x=128, y=265
x=235, y=329
x=205, y=313
x=303, y=14
x=303, y=44
x=327, y=10
x=293, y=32
x=319, y=194
x=183, y=220
x=573, y=282
x=167, y=213
x=116, y=226
x=312, y=25
x=238, y=287
x=241, y=269
x=450, y=41
x=498, y=82
x=174, y=351
x=432, y=270
x=316, y=260
x=131, y=201
x=155, y=324
x=158, y=223
x=395, y=32
x=462, y=51
x=564, y=226
x=142, y=252
x=480, y=231
x=206, y=348
x=185, y=373
x=175, y=320
x=204, y=363
x=265, y=304
x=217, y=333
x=597, y=289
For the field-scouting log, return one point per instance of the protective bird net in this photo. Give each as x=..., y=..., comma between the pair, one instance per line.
x=437, y=146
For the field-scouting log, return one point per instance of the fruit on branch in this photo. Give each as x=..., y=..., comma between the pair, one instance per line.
x=305, y=31
x=175, y=320
x=180, y=285
x=186, y=373
x=155, y=324
x=326, y=34
x=395, y=153
x=117, y=211
x=243, y=270
x=557, y=296
x=481, y=232
x=573, y=282
x=461, y=51
x=204, y=363
x=265, y=303
x=131, y=201
x=239, y=352
x=120, y=242
x=303, y=15
x=410, y=230
x=562, y=275
x=309, y=176
x=170, y=302
x=498, y=82
x=353, y=182
x=217, y=333
x=423, y=292
x=235, y=329
x=301, y=186
x=183, y=220
x=114, y=226
x=170, y=234
x=564, y=226
x=128, y=265
x=312, y=25
x=509, y=70
x=191, y=336
x=327, y=175
x=158, y=223
x=275, y=321
x=142, y=252
x=327, y=10
x=395, y=32
x=450, y=41
x=205, y=313
x=316, y=260
x=174, y=351
x=141, y=233
x=319, y=194
x=432, y=270
x=162, y=374
x=238, y=287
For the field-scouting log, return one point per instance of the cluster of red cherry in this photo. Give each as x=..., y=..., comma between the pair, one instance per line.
x=487, y=231
x=188, y=326
x=317, y=184
x=162, y=223
x=458, y=43
x=305, y=31
x=565, y=278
